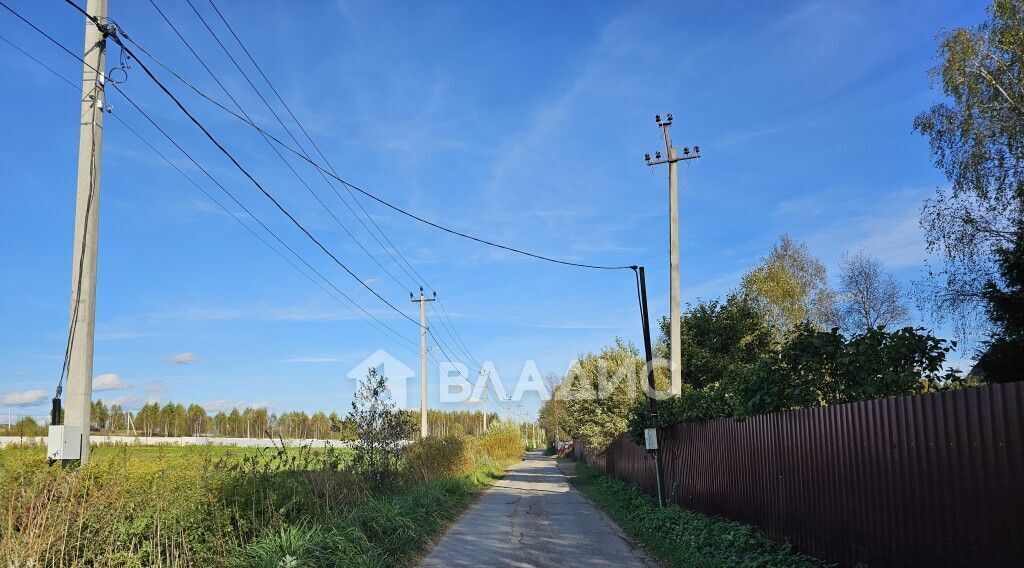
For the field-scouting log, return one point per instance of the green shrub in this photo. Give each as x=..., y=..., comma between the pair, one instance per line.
x=680, y=537
x=312, y=546
x=812, y=368
x=503, y=443
x=441, y=456
x=292, y=546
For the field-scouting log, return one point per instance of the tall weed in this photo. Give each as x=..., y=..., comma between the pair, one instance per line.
x=503, y=443
x=441, y=456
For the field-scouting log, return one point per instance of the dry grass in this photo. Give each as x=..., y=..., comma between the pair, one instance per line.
x=441, y=456
x=212, y=506
x=502, y=443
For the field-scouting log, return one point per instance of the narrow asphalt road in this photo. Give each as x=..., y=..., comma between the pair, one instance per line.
x=533, y=517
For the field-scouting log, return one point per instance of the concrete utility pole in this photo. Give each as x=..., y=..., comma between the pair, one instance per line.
x=487, y=377
x=423, y=357
x=87, y=221
x=675, y=312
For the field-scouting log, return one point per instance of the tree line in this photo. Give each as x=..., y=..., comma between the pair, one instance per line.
x=784, y=339
x=26, y=426
x=176, y=419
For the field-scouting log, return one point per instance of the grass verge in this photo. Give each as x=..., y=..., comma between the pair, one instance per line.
x=210, y=507
x=381, y=531
x=680, y=537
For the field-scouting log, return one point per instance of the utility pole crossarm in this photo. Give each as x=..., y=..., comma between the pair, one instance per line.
x=670, y=154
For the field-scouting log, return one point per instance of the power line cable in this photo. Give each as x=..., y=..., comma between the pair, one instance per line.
x=141, y=111
x=74, y=318
x=205, y=171
x=272, y=146
x=238, y=165
x=41, y=64
x=294, y=139
x=351, y=185
x=114, y=36
x=442, y=345
x=286, y=146
x=288, y=108
x=69, y=347
x=343, y=298
x=454, y=335
x=447, y=325
x=332, y=173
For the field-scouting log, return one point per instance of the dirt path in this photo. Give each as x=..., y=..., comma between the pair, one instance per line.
x=533, y=517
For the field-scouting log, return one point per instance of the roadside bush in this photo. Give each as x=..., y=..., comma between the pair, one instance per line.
x=441, y=456
x=599, y=393
x=502, y=442
x=136, y=506
x=693, y=405
x=398, y=526
x=681, y=537
x=813, y=368
x=381, y=429
x=276, y=486
x=290, y=545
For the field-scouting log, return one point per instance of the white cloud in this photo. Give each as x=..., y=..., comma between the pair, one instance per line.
x=227, y=405
x=109, y=335
x=130, y=402
x=314, y=359
x=714, y=287
x=186, y=358
x=156, y=387
x=22, y=398
x=897, y=241
x=885, y=223
x=109, y=381
x=322, y=358
x=274, y=314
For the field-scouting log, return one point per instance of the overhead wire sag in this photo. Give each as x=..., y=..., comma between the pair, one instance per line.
x=337, y=177
x=447, y=326
x=271, y=144
x=205, y=171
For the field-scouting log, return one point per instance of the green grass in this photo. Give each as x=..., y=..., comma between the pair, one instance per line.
x=680, y=537
x=381, y=531
x=209, y=506
x=154, y=452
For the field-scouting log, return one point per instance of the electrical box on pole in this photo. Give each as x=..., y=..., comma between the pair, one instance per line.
x=650, y=438
x=64, y=443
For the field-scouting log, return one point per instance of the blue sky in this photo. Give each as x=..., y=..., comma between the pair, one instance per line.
x=522, y=123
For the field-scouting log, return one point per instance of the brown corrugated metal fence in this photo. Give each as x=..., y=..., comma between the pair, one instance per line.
x=930, y=480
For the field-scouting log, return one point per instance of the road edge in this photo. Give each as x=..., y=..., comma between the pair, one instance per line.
x=567, y=467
